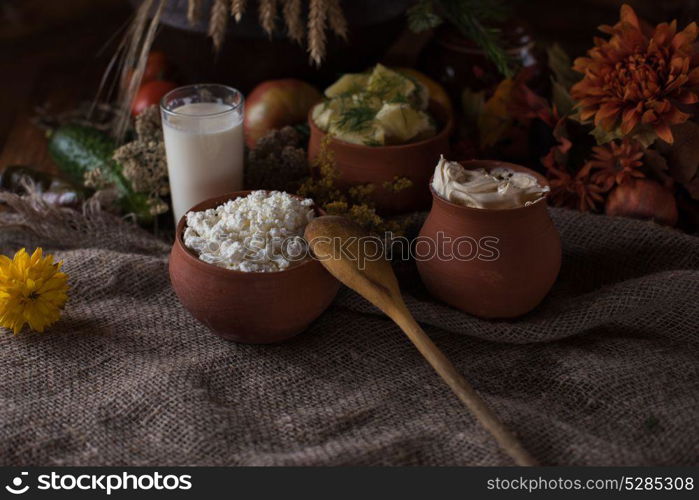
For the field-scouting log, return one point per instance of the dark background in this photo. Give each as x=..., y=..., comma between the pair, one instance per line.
x=54, y=52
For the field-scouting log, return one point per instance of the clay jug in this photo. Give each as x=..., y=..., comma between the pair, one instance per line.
x=489, y=263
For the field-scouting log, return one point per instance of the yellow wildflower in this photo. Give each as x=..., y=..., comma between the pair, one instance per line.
x=32, y=290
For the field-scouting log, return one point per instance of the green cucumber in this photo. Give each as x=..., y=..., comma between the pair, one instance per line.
x=78, y=149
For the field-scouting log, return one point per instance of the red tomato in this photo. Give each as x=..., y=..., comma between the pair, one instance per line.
x=150, y=93
x=156, y=67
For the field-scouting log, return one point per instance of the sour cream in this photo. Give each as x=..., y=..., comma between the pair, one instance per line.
x=498, y=188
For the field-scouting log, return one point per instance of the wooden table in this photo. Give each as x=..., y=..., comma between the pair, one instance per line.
x=50, y=55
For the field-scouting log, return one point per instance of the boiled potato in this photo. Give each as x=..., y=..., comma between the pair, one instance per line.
x=404, y=124
x=351, y=83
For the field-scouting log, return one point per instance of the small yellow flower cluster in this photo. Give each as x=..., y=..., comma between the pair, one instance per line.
x=355, y=202
x=33, y=290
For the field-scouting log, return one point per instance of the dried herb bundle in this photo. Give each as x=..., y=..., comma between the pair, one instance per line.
x=278, y=161
x=143, y=160
x=355, y=202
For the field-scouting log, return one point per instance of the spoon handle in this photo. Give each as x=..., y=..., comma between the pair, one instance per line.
x=466, y=393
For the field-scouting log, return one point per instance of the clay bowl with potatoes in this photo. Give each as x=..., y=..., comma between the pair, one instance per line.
x=357, y=164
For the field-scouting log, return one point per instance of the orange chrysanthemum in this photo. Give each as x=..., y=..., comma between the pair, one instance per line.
x=572, y=190
x=616, y=162
x=638, y=77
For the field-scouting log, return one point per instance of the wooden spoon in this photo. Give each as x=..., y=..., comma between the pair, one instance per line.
x=342, y=247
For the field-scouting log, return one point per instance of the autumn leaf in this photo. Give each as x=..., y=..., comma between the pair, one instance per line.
x=561, y=67
x=495, y=119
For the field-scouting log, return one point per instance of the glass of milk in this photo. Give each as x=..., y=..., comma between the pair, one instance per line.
x=203, y=128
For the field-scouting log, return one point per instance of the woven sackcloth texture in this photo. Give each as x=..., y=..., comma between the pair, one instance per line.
x=604, y=372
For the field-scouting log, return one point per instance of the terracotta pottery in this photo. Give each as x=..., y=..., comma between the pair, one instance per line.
x=489, y=263
x=255, y=308
x=358, y=164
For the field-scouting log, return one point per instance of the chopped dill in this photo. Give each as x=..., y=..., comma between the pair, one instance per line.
x=384, y=85
x=353, y=90
x=357, y=99
x=356, y=119
x=398, y=99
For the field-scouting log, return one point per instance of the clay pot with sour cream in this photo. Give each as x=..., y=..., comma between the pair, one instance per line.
x=492, y=263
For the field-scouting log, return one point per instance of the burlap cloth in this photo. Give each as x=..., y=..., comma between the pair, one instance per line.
x=604, y=372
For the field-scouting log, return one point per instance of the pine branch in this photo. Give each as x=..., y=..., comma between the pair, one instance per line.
x=470, y=17
x=422, y=17
x=487, y=10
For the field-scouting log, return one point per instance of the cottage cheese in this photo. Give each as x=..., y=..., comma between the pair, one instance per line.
x=497, y=188
x=261, y=232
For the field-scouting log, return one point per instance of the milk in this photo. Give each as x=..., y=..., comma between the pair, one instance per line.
x=204, y=147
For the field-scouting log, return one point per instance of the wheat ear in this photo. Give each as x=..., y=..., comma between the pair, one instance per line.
x=218, y=23
x=292, y=18
x=336, y=19
x=238, y=9
x=317, y=16
x=193, y=11
x=268, y=13
x=132, y=41
x=140, y=39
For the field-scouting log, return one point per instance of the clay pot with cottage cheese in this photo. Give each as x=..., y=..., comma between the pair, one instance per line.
x=491, y=263
x=249, y=307
x=358, y=164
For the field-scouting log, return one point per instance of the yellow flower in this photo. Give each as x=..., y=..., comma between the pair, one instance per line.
x=32, y=290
